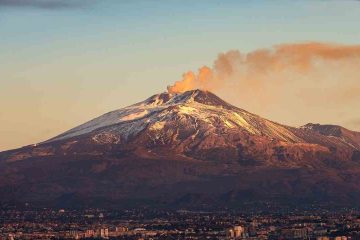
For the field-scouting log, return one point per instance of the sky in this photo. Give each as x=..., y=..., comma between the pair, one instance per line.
x=64, y=62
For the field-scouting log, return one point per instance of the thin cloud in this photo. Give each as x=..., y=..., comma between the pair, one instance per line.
x=44, y=4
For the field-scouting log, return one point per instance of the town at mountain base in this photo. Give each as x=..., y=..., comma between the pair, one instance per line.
x=186, y=150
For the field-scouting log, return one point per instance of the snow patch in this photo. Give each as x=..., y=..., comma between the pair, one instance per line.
x=157, y=126
x=240, y=121
x=228, y=124
x=134, y=116
x=186, y=109
x=106, y=137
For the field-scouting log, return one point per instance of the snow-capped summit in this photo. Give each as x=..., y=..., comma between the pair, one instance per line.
x=192, y=108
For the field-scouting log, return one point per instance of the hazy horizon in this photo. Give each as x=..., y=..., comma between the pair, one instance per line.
x=67, y=62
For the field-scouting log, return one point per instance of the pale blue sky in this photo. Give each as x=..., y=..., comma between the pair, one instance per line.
x=62, y=66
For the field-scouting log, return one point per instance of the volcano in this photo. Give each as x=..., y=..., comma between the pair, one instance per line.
x=191, y=150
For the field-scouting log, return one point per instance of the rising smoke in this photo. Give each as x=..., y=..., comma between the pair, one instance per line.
x=284, y=76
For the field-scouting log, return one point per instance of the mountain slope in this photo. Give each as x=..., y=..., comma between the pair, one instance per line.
x=186, y=149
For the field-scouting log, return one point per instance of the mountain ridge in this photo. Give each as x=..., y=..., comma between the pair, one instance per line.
x=188, y=142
